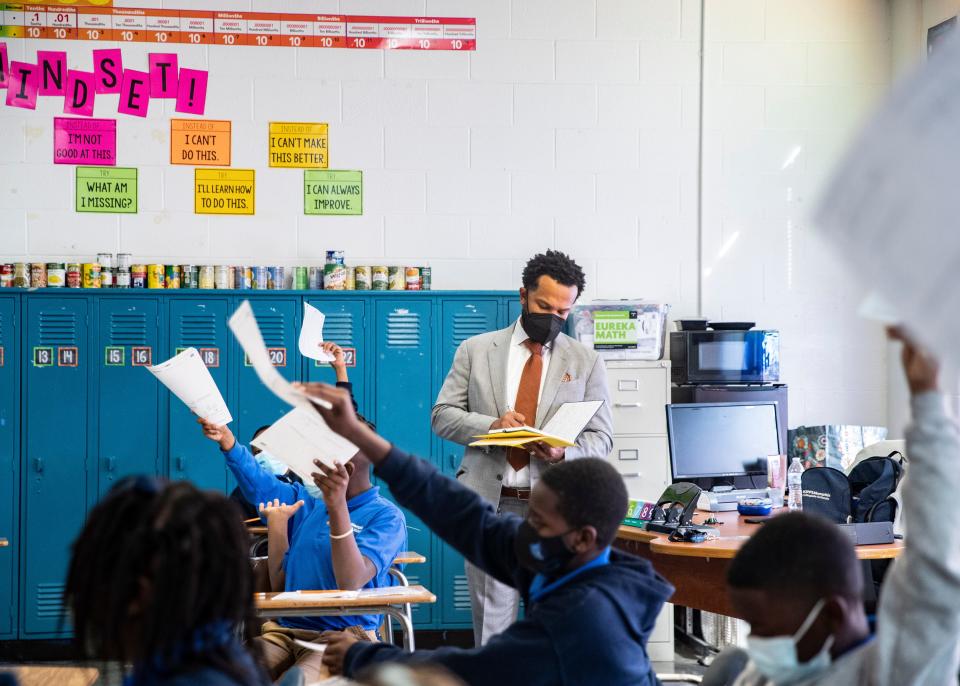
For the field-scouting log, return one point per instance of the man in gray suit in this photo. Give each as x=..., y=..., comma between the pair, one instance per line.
x=520, y=376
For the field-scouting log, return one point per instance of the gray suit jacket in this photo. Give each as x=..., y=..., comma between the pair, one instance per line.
x=474, y=396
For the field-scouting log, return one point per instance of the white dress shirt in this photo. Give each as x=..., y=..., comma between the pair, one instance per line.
x=516, y=359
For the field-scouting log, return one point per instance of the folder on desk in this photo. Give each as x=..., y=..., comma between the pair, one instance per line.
x=560, y=432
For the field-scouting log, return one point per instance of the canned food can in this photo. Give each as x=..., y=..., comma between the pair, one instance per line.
x=426, y=276
x=231, y=278
x=155, y=276
x=351, y=284
x=6, y=275
x=21, y=275
x=38, y=275
x=91, y=275
x=124, y=261
x=379, y=278
x=361, y=277
x=122, y=279
x=221, y=276
x=334, y=277
x=106, y=278
x=138, y=276
x=189, y=275
x=241, y=278
x=335, y=257
x=412, y=278
x=316, y=278
x=258, y=278
x=395, y=276
x=276, y=278
x=56, y=275
x=74, y=275
x=301, y=278
x=206, y=277
x=171, y=276
x=105, y=260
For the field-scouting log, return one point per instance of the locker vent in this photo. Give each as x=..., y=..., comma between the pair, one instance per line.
x=403, y=329
x=468, y=324
x=339, y=327
x=461, y=593
x=58, y=328
x=128, y=328
x=272, y=327
x=198, y=330
x=50, y=601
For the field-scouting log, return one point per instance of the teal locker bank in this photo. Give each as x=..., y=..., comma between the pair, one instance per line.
x=76, y=413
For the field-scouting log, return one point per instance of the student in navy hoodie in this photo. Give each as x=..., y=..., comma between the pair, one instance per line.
x=589, y=609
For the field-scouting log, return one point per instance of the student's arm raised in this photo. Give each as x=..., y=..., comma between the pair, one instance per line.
x=455, y=513
x=278, y=518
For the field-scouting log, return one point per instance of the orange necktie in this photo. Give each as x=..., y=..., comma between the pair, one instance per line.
x=528, y=394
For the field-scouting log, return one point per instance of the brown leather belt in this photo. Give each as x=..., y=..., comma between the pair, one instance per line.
x=518, y=493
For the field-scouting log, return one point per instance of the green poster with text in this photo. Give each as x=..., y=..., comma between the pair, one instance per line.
x=332, y=192
x=107, y=189
x=614, y=329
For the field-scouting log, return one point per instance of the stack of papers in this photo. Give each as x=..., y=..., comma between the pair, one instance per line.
x=560, y=432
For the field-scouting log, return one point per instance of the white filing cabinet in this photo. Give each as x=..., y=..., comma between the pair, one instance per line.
x=639, y=393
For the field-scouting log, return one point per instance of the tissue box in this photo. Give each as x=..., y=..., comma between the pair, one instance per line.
x=622, y=329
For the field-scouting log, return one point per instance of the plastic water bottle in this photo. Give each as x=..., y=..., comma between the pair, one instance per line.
x=795, y=495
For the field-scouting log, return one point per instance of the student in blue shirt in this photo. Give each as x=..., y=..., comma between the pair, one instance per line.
x=346, y=539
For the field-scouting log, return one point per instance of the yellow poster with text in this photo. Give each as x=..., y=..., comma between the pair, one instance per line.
x=224, y=191
x=299, y=145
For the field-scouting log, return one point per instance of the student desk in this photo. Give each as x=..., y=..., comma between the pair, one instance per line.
x=699, y=570
x=37, y=675
x=327, y=604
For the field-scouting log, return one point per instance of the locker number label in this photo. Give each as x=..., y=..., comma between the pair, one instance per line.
x=43, y=357
x=1, y=355
x=113, y=356
x=141, y=356
x=67, y=357
x=210, y=356
x=278, y=356
x=349, y=358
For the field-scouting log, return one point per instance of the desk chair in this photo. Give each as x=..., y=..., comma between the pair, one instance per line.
x=407, y=557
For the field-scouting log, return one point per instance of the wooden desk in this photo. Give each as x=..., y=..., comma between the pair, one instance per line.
x=257, y=530
x=330, y=603
x=699, y=570
x=409, y=557
x=35, y=675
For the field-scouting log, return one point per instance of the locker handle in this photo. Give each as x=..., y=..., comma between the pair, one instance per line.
x=628, y=404
x=111, y=464
x=38, y=465
x=181, y=464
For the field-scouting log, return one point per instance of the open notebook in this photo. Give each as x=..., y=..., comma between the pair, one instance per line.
x=560, y=432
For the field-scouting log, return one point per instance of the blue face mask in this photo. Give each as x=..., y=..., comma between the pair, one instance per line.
x=776, y=658
x=270, y=463
x=312, y=489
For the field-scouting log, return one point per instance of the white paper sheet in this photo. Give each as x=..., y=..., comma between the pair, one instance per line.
x=571, y=419
x=311, y=334
x=877, y=308
x=301, y=436
x=243, y=323
x=188, y=378
x=316, y=647
x=892, y=204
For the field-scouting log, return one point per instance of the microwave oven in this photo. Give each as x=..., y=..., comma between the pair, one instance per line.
x=734, y=357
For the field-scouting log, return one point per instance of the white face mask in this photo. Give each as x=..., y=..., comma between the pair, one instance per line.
x=776, y=657
x=270, y=463
x=312, y=489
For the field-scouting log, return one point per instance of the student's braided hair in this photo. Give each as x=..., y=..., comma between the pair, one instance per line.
x=160, y=578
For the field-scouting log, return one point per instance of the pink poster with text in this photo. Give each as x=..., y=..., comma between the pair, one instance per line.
x=85, y=141
x=192, y=93
x=134, y=93
x=24, y=83
x=81, y=91
x=163, y=75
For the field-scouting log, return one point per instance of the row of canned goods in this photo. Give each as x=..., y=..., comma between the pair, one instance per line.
x=332, y=276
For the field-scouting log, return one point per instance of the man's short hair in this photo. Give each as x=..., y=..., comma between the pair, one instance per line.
x=590, y=492
x=798, y=553
x=558, y=266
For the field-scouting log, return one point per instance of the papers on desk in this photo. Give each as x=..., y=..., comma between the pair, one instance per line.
x=560, y=432
x=301, y=436
x=892, y=203
x=243, y=323
x=311, y=334
x=188, y=378
x=385, y=592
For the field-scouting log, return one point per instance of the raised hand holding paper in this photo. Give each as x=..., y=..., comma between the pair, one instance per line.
x=301, y=436
x=243, y=323
x=311, y=334
x=188, y=378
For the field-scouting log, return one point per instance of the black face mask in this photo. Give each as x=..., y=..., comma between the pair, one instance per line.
x=547, y=556
x=540, y=327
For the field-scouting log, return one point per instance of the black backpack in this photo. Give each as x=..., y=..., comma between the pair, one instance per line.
x=866, y=495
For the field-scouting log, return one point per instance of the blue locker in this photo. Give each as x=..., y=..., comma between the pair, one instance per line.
x=9, y=461
x=345, y=325
x=128, y=430
x=514, y=308
x=461, y=319
x=279, y=322
x=57, y=408
x=404, y=397
x=199, y=323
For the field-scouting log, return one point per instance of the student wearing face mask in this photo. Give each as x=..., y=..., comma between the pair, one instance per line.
x=518, y=376
x=589, y=609
x=798, y=582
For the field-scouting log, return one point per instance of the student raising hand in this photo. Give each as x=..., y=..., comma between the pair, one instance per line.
x=332, y=482
x=220, y=434
x=278, y=511
x=339, y=362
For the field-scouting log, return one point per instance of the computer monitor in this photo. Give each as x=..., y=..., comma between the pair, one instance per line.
x=711, y=440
